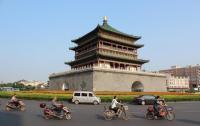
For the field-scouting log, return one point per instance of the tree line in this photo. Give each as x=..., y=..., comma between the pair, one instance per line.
x=19, y=86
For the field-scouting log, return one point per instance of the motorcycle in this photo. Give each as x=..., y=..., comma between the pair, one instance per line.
x=52, y=112
x=18, y=105
x=109, y=114
x=164, y=112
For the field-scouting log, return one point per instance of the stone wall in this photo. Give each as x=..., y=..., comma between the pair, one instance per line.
x=123, y=81
x=108, y=80
x=74, y=80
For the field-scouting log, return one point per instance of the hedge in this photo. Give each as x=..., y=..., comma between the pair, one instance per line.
x=105, y=97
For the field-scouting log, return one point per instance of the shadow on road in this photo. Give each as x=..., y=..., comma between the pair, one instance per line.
x=141, y=116
x=99, y=116
x=10, y=119
x=40, y=116
x=189, y=121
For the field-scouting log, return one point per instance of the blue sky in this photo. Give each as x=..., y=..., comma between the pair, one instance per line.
x=35, y=34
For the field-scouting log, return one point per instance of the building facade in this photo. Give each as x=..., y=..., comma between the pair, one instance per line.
x=177, y=84
x=193, y=72
x=106, y=59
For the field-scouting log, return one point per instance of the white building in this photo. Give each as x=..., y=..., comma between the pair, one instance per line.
x=193, y=72
x=32, y=83
x=176, y=83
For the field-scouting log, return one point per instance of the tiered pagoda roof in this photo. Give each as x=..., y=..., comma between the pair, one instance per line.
x=106, y=27
x=95, y=34
x=109, y=57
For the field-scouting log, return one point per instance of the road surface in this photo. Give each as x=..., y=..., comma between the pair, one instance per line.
x=187, y=114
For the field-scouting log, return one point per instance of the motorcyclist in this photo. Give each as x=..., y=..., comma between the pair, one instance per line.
x=56, y=105
x=114, y=104
x=156, y=104
x=162, y=102
x=14, y=100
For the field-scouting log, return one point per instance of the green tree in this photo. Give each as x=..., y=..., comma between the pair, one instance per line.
x=7, y=85
x=18, y=85
x=29, y=87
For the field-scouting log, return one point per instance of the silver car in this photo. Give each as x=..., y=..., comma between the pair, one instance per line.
x=85, y=97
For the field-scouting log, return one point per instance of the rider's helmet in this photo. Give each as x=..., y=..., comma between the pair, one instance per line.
x=42, y=105
x=157, y=97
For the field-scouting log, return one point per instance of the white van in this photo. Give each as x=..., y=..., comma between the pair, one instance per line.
x=85, y=97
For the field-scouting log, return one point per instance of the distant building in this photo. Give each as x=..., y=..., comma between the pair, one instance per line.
x=42, y=86
x=32, y=83
x=106, y=59
x=177, y=84
x=8, y=89
x=193, y=72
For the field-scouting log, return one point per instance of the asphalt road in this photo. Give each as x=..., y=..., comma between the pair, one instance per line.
x=187, y=114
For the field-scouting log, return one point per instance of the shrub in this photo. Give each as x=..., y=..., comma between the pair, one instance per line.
x=105, y=96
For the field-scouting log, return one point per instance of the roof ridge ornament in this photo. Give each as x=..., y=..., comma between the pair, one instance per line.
x=105, y=20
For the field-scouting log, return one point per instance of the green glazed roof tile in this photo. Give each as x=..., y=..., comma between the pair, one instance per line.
x=107, y=27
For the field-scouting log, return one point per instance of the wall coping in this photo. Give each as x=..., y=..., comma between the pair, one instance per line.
x=143, y=73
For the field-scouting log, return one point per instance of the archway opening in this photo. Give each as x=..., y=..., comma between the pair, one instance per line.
x=65, y=86
x=137, y=86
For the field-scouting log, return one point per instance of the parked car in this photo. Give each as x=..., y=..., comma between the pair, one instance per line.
x=144, y=99
x=85, y=97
